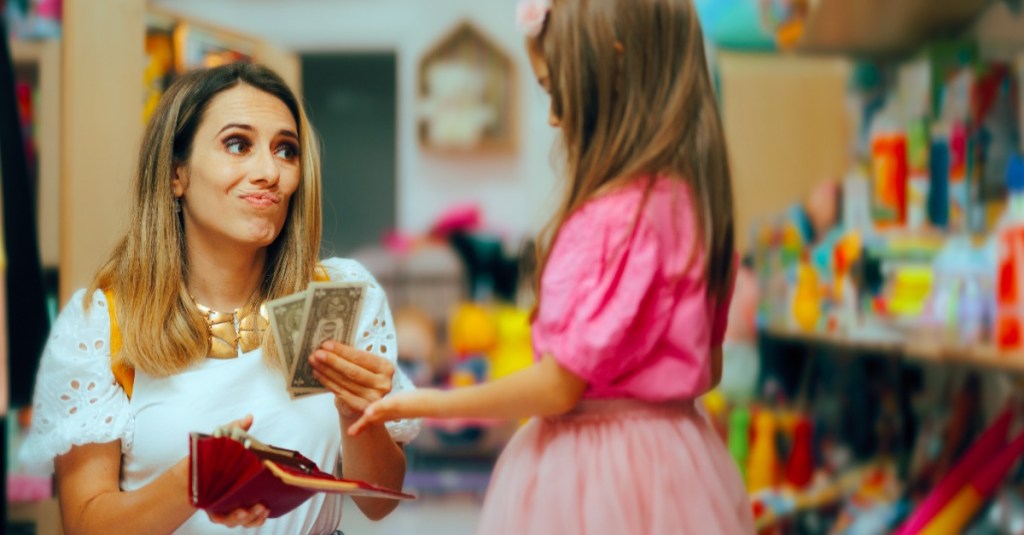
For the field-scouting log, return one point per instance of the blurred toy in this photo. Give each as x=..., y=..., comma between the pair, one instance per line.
x=472, y=333
x=806, y=297
x=513, y=349
x=874, y=505
x=763, y=464
x=159, y=69
x=739, y=438
x=800, y=467
x=1009, y=326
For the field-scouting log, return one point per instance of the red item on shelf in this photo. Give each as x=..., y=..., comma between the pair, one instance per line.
x=800, y=468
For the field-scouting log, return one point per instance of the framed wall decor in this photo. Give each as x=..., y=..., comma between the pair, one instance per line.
x=467, y=100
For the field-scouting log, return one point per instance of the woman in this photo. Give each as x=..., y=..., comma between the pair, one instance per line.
x=170, y=338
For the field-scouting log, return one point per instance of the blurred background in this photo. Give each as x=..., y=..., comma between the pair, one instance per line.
x=876, y=343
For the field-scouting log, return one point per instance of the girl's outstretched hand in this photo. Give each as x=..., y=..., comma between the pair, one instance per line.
x=413, y=404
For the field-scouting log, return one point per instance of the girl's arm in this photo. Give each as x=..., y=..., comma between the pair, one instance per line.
x=372, y=456
x=544, y=389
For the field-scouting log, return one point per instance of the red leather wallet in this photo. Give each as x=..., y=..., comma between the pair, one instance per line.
x=225, y=475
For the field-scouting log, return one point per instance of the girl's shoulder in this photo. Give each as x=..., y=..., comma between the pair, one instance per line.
x=619, y=206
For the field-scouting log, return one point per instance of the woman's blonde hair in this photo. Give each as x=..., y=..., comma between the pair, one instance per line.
x=162, y=331
x=630, y=86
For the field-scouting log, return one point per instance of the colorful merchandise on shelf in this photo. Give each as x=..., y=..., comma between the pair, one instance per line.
x=918, y=178
x=938, y=163
x=806, y=297
x=983, y=483
x=1019, y=67
x=513, y=350
x=800, y=467
x=763, y=463
x=889, y=165
x=982, y=451
x=958, y=186
x=911, y=286
x=159, y=70
x=1009, y=323
x=472, y=334
x=739, y=438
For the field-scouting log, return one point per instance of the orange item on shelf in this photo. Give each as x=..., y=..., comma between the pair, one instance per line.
x=763, y=463
x=889, y=165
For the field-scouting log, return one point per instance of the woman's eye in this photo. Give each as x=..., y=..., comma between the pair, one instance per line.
x=287, y=152
x=236, y=145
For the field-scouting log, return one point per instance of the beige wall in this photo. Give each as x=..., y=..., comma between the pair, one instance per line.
x=786, y=127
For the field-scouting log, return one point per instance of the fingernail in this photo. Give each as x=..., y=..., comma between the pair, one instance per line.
x=328, y=345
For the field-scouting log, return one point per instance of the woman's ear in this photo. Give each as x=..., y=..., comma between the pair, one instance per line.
x=180, y=181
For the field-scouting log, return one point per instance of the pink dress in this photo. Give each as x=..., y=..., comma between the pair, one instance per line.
x=623, y=306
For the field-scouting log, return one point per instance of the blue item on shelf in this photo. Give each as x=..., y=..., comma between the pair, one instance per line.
x=734, y=24
x=938, y=196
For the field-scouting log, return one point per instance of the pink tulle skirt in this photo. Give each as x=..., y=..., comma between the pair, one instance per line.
x=617, y=467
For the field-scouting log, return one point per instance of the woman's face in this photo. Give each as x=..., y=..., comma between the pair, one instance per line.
x=540, y=70
x=244, y=167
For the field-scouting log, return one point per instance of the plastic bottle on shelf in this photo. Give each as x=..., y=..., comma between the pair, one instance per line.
x=763, y=460
x=739, y=437
x=1009, y=322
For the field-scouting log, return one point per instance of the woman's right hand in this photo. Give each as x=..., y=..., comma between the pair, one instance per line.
x=246, y=517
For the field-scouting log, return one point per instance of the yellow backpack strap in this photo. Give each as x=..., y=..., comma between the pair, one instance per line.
x=124, y=374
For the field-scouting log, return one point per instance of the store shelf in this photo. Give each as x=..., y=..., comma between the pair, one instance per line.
x=982, y=356
x=883, y=27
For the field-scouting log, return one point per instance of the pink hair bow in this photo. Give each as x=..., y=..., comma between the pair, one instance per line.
x=530, y=16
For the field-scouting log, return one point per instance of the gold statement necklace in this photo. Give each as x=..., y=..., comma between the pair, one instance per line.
x=231, y=332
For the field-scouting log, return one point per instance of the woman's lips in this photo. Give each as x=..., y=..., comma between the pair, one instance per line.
x=262, y=199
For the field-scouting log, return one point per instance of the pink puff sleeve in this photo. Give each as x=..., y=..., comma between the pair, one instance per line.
x=604, y=301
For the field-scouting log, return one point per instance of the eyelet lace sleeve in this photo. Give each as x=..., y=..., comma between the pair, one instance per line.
x=376, y=334
x=76, y=399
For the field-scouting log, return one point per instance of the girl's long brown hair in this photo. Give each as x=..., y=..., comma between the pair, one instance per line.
x=162, y=331
x=630, y=86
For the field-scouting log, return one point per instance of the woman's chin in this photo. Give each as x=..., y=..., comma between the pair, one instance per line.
x=263, y=235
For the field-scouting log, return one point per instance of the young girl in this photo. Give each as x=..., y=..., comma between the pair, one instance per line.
x=634, y=290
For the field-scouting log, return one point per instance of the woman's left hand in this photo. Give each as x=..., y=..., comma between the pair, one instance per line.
x=357, y=378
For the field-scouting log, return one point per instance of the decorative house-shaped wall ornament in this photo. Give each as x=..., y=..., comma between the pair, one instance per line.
x=467, y=95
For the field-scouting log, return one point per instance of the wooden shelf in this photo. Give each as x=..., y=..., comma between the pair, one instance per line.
x=984, y=356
